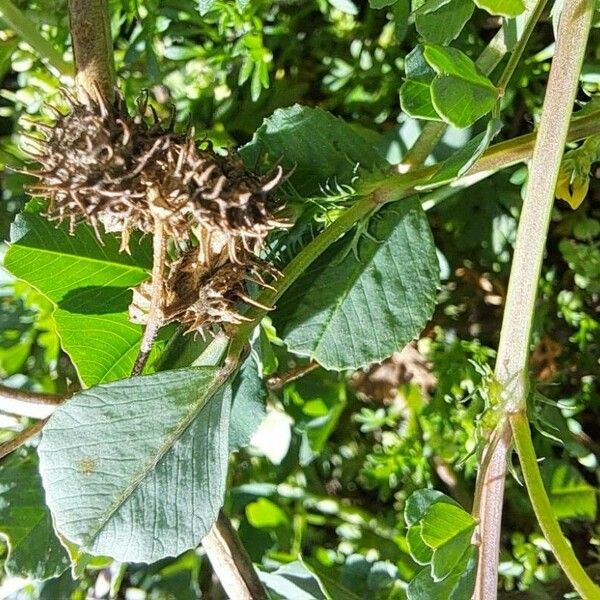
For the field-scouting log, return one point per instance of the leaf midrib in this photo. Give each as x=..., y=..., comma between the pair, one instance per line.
x=219, y=378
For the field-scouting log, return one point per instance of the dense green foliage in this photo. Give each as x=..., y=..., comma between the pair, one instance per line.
x=347, y=462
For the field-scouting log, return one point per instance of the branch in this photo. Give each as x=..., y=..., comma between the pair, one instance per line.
x=30, y=34
x=231, y=562
x=92, y=48
x=28, y=404
x=513, y=350
x=155, y=314
x=18, y=440
x=543, y=510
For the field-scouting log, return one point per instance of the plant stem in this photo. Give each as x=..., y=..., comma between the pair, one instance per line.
x=18, y=440
x=231, y=562
x=155, y=314
x=543, y=509
x=298, y=266
x=92, y=48
x=30, y=34
x=488, y=60
x=513, y=350
x=535, y=11
x=28, y=404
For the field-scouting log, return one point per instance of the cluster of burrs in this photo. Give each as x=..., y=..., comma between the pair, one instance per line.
x=122, y=173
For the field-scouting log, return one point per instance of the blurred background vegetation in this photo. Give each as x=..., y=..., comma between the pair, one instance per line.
x=328, y=472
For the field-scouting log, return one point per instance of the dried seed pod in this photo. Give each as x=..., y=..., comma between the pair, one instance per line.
x=199, y=296
x=101, y=165
x=86, y=159
x=216, y=193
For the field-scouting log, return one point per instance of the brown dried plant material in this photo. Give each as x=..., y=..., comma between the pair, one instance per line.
x=200, y=296
x=381, y=382
x=105, y=167
x=101, y=165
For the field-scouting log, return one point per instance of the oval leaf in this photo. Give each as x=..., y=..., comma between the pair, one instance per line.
x=34, y=551
x=348, y=312
x=314, y=148
x=136, y=469
x=89, y=284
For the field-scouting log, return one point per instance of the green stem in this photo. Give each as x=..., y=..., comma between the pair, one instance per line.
x=489, y=59
x=543, y=510
x=513, y=349
x=535, y=12
x=298, y=266
x=29, y=33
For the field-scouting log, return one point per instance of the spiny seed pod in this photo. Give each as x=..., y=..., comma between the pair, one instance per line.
x=87, y=158
x=199, y=297
x=215, y=193
x=101, y=165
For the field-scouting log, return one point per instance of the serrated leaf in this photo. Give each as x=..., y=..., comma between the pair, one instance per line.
x=460, y=93
x=136, y=469
x=34, y=551
x=89, y=285
x=348, y=312
x=443, y=22
x=502, y=8
x=458, y=585
x=313, y=147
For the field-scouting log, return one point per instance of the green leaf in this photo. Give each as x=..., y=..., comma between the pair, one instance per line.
x=458, y=585
x=461, y=160
x=415, y=101
x=348, y=312
x=329, y=582
x=415, y=92
x=419, y=502
x=295, y=581
x=439, y=531
x=377, y=4
x=502, y=8
x=136, y=469
x=265, y=514
x=447, y=530
x=459, y=92
x=442, y=23
x=313, y=147
x=34, y=551
x=89, y=285
x=571, y=496
x=419, y=550
x=248, y=405
x=442, y=522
